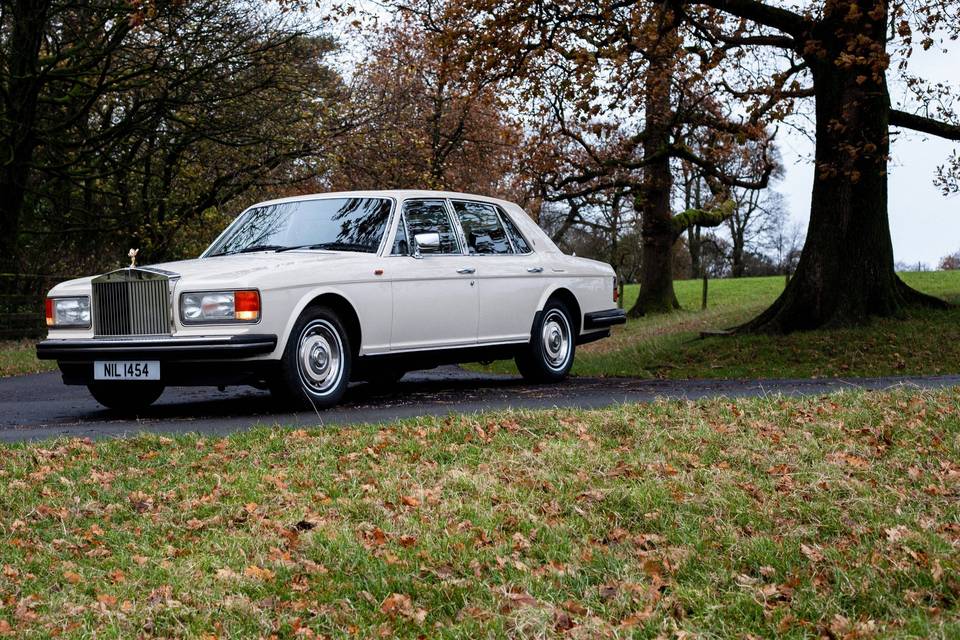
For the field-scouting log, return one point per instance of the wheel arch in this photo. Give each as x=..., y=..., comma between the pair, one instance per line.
x=339, y=304
x=568, y=298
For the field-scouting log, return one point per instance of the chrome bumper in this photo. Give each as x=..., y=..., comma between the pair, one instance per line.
x=157, y=348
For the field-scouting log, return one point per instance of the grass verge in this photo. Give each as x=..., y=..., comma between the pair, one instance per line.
x=669, y=346
x=777, y=518
x=18, y=357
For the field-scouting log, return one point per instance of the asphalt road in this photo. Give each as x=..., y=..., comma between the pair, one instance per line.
x=40, y=406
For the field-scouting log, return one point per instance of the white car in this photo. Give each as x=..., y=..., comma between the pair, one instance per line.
x=302, y=295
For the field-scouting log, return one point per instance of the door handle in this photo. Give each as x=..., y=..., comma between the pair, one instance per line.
x=535, y=270
x=466, y=270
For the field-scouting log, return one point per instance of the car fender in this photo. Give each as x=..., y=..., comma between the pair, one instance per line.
x=304, y=301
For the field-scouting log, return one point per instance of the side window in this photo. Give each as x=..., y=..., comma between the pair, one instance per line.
x=430, y=216
x=518, y=241
x=482, y=228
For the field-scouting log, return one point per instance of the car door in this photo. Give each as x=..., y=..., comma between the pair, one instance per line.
x=434, y=290
x=510, y=277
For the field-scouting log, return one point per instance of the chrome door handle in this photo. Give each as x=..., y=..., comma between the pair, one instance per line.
x=535, y=270
x=466, y=270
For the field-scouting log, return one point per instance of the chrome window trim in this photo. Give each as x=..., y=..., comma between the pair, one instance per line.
x=499, y=213
x=380, y=248
x=454, y=225
x=503, y=214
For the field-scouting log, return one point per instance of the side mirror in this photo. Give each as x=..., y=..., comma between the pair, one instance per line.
x=429, y=242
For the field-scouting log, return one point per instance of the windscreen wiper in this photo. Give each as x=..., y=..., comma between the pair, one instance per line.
x=345, y=246
x=250, y=249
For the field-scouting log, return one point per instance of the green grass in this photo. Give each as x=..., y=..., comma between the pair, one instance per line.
x=833, y=517
x=669, y=346
x=18, y=357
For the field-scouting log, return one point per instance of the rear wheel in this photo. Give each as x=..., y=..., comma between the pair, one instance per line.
x=126, y=396
x=315, y=368
x=549, y=354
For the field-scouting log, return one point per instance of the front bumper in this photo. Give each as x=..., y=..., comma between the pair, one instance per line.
x=164, y=349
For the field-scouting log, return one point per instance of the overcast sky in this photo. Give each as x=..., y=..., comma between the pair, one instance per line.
x=925, y=225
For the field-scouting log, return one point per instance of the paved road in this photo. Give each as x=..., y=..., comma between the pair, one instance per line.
x=39, y=406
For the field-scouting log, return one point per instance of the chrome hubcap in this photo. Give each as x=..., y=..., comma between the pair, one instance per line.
x=555, y=336
x=320, y=361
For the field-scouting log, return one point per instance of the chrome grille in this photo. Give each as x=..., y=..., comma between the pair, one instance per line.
x=131, y=302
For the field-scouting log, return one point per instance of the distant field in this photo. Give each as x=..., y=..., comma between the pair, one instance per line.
x=774, y=518
x=668, y=346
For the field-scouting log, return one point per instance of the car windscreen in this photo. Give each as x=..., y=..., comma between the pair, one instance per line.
x=342, y=224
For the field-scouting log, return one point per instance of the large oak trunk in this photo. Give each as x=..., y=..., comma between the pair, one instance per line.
x=656, y=231
x=846, y=271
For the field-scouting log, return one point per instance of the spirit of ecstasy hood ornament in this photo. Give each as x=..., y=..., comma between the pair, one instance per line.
x=132, y=254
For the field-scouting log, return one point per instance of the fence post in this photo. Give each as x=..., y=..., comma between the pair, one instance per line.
x=703, y=303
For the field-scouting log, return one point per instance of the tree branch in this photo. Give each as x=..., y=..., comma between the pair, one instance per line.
x=702, y=217
x=925, y=125
x=762, y=13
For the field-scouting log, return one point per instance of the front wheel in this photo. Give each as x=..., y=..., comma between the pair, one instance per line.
x=549, y=354
x=126, y=396
x=315, y=368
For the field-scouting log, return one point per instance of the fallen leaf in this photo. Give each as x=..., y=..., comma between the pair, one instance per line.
x=813, y=553
x=259, y=573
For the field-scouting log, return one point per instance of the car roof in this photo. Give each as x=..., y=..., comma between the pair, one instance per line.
x=399, y=194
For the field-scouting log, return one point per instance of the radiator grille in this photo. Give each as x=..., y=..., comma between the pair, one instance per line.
x=131, y=303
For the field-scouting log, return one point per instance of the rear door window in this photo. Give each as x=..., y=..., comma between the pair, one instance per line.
x=482, y=228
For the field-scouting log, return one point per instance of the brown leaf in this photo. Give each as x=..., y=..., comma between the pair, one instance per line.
x=397, y=604
x=575, y=607
x=813, y=553
x=895, y=534
x=407, y=540
x=106, y=599
x=562, y=621
x=259, y=573
x=72, y=577
x=608, y=591
x=410, y=501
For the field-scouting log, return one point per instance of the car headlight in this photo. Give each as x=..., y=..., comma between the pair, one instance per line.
x=220, y=306
x=68, y=312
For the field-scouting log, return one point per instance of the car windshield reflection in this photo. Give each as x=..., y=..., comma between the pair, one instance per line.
x=336, y=224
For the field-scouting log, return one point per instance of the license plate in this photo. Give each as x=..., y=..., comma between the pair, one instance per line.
x=126, y=370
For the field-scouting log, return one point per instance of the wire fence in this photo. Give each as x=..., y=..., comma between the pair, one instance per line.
x=21, y=303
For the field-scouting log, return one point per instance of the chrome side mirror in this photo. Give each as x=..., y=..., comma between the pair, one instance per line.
x=428, y=241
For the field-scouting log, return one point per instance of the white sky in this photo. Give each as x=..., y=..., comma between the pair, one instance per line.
x=924, y=224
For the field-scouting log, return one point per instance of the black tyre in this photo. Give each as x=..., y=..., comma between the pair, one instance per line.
x=126, y=396
x=549, y=354
x=315, y=368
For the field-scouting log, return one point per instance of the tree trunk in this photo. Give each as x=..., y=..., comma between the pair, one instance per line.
x=692, y=200
x=846, y=271
x=657, y=229
x=19, y=140
x=736, y=255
